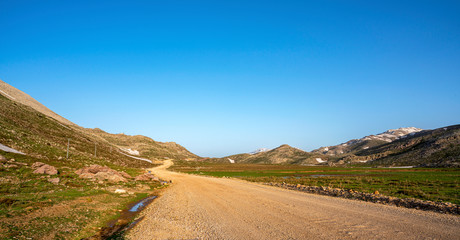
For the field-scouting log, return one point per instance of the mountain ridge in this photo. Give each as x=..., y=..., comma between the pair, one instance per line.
x=149, y=148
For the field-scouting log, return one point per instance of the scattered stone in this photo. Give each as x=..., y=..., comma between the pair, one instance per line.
x=101, y=173
x=147, y=177
x=125, y=175
x=376, y=192
x=9, y=166
x=54, y=181
x=3, y=159
x=37, y=165
x=41, y=168
x=120, y=191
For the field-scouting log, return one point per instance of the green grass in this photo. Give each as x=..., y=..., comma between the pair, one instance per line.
x=87, y=204
x=434, y=184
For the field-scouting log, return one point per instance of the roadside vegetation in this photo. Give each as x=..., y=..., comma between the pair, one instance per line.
x=31, y=207
x=434, y=184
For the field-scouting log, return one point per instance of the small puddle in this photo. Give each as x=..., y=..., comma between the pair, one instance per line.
x=115, y=228
x=141, y=205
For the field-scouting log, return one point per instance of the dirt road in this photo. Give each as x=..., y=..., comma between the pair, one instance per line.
x=197, y=207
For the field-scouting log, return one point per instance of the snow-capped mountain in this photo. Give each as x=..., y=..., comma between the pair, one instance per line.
x=369, y=141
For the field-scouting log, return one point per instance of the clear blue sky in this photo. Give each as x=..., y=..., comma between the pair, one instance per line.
x=225, y=77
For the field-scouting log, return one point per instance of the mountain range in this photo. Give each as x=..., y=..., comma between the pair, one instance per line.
x=396, y=147
x=30, y=127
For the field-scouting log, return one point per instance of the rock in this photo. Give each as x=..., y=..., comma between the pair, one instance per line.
x=54, y=181
x=3, y=159
x=147, y=177
x=37, y=165
x=116, y=178
x=120, y=191
x=125, y=175
x=142, y=177
x=102, y=176
x=87, y=175
x=44, y=169
x=376, y=192
x=101, y=173
x=11, y=166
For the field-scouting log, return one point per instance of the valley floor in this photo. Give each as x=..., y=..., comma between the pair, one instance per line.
x=220, y=208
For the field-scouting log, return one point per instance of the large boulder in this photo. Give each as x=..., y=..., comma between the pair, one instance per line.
x=42, y=168
x=102, y=173
x=147, y=177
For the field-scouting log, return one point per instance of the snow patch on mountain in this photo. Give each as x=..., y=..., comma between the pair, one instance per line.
x=260, y=150
x=130, y=151
x=387, y=136
x=320, y=160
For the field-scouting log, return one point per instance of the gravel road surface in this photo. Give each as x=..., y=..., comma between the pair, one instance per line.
x=197, y=207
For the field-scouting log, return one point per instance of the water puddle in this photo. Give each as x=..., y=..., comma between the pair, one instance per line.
x=115, y=228
x=140, y=205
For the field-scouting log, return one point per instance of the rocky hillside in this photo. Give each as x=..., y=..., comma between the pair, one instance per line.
x=368, y=141
x=395, y=147
x=432, y=148
x=21, y=113
x=283, y=154
x=145, y=147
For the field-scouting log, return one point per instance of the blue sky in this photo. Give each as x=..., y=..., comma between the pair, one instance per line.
x=225, y=77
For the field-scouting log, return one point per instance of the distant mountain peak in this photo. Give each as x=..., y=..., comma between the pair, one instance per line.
x=368, y=141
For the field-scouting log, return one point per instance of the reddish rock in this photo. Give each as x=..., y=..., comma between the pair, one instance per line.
x=101, y=173
x=54, y=181
x=147, y=177
x=37, y=165
x=41, y=168
x=125, y=175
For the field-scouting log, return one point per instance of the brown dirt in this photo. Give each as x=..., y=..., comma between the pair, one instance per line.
x=197, y=207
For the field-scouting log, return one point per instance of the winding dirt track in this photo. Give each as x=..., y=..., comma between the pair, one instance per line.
x=197, y=207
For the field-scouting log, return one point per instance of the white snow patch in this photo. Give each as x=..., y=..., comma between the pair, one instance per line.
x=138, y=158
x=366, y=147
x=260, y=150
x=130, y=151
x=11, y=150
x=319, y=160
x=231, y=160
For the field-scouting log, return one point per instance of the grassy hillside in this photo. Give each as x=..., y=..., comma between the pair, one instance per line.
x=436, y=148
x=146, y=146
x=283, y=154
x=32, y=207
x=44, y=138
